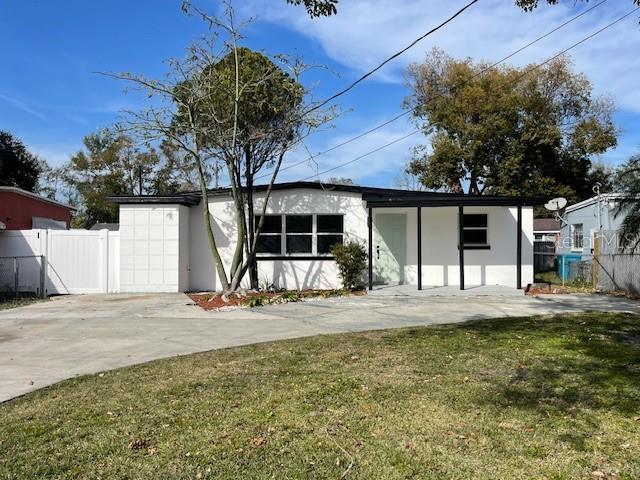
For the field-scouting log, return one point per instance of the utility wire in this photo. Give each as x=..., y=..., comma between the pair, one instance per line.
x=392, y=57
x=406, y=112
x=535, y=67
x=371, y=152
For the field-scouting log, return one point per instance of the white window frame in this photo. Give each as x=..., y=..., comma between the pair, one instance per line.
x=285, y=234
x=314, y=235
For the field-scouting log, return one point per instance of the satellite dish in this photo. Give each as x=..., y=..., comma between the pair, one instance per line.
x=556, y=204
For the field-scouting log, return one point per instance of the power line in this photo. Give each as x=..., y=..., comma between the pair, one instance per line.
x=406, y=112
x=392, y=57
x=535, y=67
x=371, y=152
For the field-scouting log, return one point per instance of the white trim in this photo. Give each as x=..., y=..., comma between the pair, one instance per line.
x=593, y=200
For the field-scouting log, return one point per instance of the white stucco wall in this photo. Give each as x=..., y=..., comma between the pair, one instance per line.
x=154, y=248
x=440, y=260
x=496, y=266
x=293, y=274
x=165, y=248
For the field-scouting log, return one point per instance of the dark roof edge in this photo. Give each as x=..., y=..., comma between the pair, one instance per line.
x=460, y=200
x=374, y=196
x=187, y=200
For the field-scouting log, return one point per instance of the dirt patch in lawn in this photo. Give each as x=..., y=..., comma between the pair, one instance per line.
x=215, y=301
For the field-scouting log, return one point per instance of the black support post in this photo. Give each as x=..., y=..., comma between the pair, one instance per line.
x=419, y=248
x=519, y=250
x=461, y=244
x=370, y=225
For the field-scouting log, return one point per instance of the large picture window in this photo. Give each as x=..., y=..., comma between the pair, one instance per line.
x=299, y=235
x=475, y=229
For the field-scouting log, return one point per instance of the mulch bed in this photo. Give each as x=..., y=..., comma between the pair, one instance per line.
x=214, y=301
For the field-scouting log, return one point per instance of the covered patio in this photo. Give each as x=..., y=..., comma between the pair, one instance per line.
x=444, y=291
x=439, y=243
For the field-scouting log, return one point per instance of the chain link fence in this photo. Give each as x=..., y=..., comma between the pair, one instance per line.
x=22, y=276
x=563, y=269
x=607, y=269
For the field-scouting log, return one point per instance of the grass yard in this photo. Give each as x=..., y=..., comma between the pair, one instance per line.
x=550, y=398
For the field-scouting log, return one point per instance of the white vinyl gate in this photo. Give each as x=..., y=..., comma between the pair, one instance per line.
x=76, y=261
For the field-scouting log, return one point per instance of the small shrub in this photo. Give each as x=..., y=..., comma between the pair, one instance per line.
x=290, y=296
x=351, y=258
x=258, y=301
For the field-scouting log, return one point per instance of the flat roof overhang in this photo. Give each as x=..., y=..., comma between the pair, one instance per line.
x=452, y=200
x=186, y=200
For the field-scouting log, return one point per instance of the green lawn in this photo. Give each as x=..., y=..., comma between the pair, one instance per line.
x=511, y=398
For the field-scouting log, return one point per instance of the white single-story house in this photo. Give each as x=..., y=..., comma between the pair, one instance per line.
x=411, y=237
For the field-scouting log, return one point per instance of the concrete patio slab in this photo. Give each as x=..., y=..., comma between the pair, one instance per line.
x=50, y=341
x=445, y=291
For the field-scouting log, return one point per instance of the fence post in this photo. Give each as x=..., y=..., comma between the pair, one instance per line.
x=15, y=276
x=595, y=263
x=104, y=244
x=43, y=267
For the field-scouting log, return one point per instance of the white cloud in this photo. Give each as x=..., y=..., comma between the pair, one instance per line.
x=21, y=105
x=379, y=167
x=367, y=31
x=56, y=155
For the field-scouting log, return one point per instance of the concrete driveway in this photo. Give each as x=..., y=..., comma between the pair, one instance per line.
x=68, y=336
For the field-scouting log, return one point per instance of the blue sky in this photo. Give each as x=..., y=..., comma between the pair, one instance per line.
x=51, y=95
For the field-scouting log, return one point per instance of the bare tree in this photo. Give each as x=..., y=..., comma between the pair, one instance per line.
x=226, y=104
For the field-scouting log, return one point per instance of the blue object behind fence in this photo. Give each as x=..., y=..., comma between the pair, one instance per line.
x=564, y=261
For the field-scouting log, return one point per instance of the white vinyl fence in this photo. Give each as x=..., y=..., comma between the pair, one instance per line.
x=75, y=261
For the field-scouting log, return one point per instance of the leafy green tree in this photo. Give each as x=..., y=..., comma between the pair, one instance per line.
x=225, y=104
x=111, y=164
x=317, y=8
x=18, y=167
x=320, y=8
x=529, y=5
x=507, y=131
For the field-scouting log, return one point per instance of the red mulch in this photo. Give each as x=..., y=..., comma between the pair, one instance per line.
x=214, y=301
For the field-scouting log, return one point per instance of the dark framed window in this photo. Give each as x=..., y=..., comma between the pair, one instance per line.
x=329, y=232
x=299, y=229
x=271, y=224
x=299, y=234
x=475, y=229
x=270, y=238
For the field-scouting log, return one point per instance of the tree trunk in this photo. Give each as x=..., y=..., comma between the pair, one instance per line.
x=251, y=230
x=206, y=217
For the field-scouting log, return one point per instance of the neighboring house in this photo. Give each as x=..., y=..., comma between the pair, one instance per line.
x=546, y=230
x=164, y=246
x=582, y=220
x=112, y=227
x=23, y=210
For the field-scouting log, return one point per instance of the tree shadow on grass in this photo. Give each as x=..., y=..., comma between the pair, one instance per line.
x=565, y=364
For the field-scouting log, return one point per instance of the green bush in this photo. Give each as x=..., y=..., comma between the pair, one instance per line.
x=290, y=296
x=351, y=258
x=257, y=301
